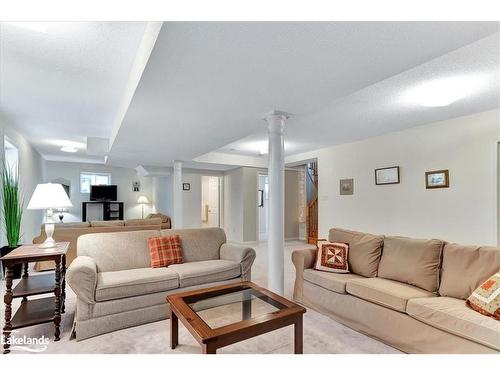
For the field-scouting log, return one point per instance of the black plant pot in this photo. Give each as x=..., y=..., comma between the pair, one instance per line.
x=18, y=268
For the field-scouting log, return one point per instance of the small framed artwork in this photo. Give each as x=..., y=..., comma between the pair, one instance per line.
x=437, y=179
x=387, y=176
x=347, y=186
x=186, y=186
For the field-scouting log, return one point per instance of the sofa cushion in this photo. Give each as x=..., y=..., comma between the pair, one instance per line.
x=387, y=293
x=453, y=316
x=139, y=222
x=336, y=282
x=412, y=261
x=134, y=282
x=107, y=223
x=199, y=244
x=117, y=251
x=208, y=271
x=72, y=225
x=364, y=250
x=464, y=268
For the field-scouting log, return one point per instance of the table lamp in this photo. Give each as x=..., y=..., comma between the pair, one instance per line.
x=142, y=200
x=47, y=197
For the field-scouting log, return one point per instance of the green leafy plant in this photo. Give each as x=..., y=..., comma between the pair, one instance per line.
x=12, y=201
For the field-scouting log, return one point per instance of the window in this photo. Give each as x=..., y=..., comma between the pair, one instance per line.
x=87, y=179
x=11, y=157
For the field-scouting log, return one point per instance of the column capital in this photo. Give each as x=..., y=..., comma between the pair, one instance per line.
x=276, y=114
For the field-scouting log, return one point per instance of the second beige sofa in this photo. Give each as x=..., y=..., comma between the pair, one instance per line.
x=409, y=293
x=117, y=288
x=71, y=231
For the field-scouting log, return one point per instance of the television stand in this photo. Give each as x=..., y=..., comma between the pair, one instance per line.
x=110, y=210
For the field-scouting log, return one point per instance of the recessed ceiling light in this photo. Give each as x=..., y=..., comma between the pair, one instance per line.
x=69, y=149
x=444, y=91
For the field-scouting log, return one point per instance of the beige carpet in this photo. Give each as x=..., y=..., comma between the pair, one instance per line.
x=321, y=334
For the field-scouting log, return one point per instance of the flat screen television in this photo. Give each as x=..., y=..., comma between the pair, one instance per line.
x=103, y=193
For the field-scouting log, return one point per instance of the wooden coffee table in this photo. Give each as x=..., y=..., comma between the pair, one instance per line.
x=223, y=315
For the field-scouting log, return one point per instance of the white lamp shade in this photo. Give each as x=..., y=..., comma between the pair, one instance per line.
x=49, y=196
x=142, y=199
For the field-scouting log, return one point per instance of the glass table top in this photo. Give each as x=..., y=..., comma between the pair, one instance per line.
x=234, y=307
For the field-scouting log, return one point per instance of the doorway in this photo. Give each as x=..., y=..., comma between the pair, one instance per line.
x=210, y=201
x=262, y=206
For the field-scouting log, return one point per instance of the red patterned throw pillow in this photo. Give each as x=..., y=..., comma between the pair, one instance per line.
x=165, y=251
x=486, y=298
x=332, y=257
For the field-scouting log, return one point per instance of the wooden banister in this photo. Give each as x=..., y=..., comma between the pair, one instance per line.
x=312, y=221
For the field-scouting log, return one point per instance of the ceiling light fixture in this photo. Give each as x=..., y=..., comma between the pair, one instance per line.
x=69, y=149
x=444, y=91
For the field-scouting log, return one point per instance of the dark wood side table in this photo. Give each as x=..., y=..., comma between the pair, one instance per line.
x=35, y=311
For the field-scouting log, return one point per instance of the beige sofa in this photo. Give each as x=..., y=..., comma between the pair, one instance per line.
x=117, y=288
x=406, y=292
x=71, y=231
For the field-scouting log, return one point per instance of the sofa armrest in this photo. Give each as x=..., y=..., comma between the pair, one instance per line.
x=82, y=277
x=241, y=254
x=302, y=259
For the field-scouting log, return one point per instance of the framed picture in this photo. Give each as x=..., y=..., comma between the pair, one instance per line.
x=437, y=179
x=347, y=186
x=387, y=176
x=186, y=186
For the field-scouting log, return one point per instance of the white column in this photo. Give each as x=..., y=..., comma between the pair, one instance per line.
x=276, y=178
x=177, y=195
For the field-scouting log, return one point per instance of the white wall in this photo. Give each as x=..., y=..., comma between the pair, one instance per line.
x=31, y=173
x=161, y=190
x=191, y=200
x=465, y=213
x=241, y=207
x=122, y=177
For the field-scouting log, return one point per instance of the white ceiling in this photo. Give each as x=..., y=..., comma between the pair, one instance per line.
x=65, y=81
x=380, y=108
x=207, y=84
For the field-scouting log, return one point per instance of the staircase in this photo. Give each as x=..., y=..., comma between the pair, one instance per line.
x=312, y=202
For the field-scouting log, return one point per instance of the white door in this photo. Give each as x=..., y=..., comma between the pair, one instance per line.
x=210, y=206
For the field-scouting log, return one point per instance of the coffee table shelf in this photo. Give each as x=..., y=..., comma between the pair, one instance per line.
x=34, y=285
x=35, y=311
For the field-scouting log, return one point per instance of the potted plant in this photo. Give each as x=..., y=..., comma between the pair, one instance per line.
x=12, y=209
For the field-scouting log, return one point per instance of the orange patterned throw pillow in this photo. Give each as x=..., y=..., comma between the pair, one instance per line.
x=486, y=298
x=165, y=251
x=332, y=257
